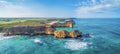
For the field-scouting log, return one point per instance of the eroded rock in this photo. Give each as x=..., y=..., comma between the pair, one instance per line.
x=64, y=33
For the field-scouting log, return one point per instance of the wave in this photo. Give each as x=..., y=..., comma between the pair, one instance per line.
x=2, y=37
x=76, y=45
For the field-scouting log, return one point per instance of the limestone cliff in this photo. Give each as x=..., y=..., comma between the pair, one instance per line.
x=49, y=30
x=69, y=24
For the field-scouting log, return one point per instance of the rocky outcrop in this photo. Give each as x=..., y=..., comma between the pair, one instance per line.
x=68, y=24
x=49, y=30
x=75, y=33
x=63, y=34
x=72, y=34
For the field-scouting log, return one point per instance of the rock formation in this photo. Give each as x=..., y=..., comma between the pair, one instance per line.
x=69, y=24
x=30, y=30
x=46, y=30
x=72, y=34
x=75, y=33
x=63, y=34
x=49, y=30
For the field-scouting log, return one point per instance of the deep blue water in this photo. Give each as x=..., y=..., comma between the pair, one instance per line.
x=105, y=40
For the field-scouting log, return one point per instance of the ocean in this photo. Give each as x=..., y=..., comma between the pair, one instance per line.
x=104, y=32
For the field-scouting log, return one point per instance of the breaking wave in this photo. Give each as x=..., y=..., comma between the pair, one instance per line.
x=76, y=45
x=2, y=37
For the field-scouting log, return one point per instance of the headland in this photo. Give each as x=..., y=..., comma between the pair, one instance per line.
x=43, y=26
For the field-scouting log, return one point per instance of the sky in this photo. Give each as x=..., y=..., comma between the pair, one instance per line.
x=60, y=8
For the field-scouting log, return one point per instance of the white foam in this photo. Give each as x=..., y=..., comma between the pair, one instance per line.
x=92, y=36
x=37, y=40
x=75, y=45
x=2, y=37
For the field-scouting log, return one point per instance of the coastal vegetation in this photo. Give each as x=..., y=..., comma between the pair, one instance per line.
x=12, y=22
x=6, y=22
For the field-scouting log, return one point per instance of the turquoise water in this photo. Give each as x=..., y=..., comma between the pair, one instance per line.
x=67, y=29
x=105, y=40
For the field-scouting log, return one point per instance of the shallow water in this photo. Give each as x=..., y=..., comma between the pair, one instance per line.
x=105, y=40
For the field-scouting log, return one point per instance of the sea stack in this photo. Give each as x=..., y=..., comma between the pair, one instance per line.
x=64, y=33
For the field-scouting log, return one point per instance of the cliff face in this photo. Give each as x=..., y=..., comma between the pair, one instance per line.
x=1, y=29
x=33, y=30
x=49, y=30
x=68, y=24
x=30, y=30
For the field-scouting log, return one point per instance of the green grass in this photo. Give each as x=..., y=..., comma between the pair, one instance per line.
x=16, y=22
x=9, y=22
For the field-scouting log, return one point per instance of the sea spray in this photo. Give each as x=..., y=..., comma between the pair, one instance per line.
x=37, y=40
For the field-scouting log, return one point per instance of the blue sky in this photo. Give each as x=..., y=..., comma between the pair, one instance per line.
x=60, y=8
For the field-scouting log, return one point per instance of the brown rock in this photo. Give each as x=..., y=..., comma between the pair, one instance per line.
x=69, y=24
x=61, y=34
x=49, y=30
x=74, y=33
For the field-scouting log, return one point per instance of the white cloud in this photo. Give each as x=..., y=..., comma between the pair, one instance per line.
x=8, y=9
x=94, y=1
x=89, y=9
x=97, y=8
x=15, y=9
